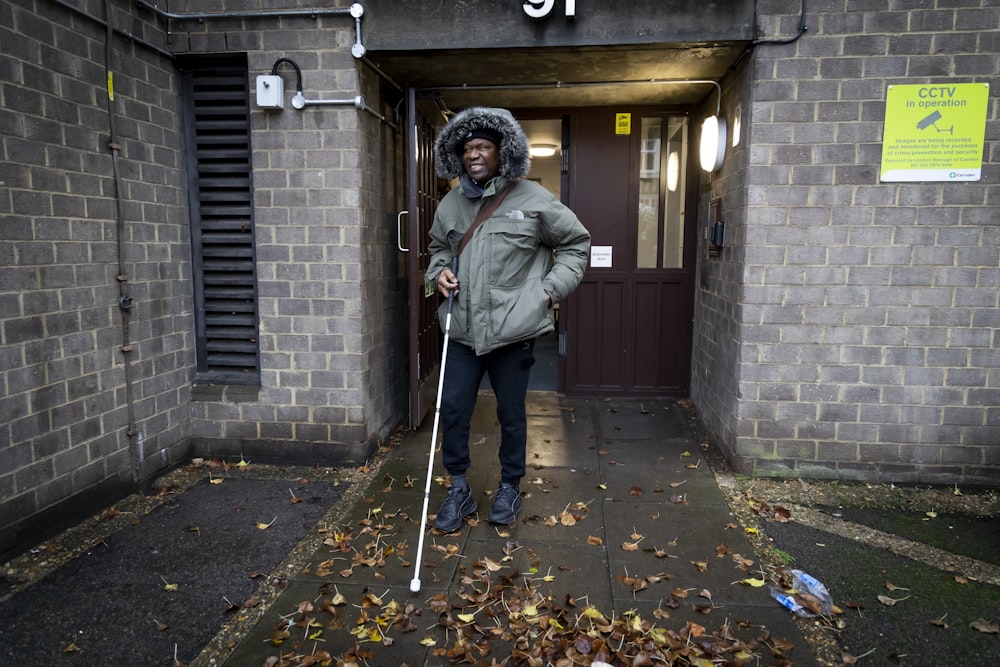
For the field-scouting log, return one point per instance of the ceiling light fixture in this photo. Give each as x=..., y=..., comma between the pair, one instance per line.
x=542, y=150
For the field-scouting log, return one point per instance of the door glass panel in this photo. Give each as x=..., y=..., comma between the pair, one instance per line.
x=662, y=156
x=673, y=207
x=650, y=157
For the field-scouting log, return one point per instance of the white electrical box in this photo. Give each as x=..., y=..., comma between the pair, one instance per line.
x=270, y=92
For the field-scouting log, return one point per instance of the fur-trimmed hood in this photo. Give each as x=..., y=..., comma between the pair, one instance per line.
x=514, y=158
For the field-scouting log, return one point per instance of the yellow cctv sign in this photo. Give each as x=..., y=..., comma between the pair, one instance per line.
x=623, y=123
x=934, y=132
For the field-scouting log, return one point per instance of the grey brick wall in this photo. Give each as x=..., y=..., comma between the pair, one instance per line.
x=865, y=314
x=331, y=285
x=67, y=399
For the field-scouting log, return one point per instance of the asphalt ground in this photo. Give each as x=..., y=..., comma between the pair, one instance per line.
x=635, y=546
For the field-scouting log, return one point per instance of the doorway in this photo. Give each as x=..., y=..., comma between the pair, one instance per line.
x=627, y=328
x=629, y=323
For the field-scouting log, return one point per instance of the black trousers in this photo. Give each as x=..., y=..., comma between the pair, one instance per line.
x=508, y=368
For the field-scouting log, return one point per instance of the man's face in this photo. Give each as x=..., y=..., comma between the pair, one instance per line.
x=481, y=159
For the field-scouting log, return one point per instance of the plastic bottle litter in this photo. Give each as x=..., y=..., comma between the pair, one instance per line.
x=788, y=602
x=806, y=583
x=806, y=595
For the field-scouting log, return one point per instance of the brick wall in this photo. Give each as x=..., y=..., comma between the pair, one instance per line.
x=868, y=312
x=83, y=417
x=331, y=286
x=718, y=330
x=331, y=291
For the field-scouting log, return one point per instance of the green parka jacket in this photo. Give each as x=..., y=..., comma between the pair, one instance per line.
x=531, y=246
x=509, y=266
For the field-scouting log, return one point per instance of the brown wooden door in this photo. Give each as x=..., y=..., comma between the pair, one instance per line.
x=629, y=322
x=422, y=198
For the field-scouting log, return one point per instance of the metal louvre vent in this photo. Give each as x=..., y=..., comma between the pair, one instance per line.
x=222, y=231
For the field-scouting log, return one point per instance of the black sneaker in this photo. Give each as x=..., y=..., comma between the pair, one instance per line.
x=506, y=504
x=458, y=505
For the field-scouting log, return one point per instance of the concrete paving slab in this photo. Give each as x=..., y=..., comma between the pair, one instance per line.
x=644, y=480
x=616, y=443
x=316, y=621
x=641, y=419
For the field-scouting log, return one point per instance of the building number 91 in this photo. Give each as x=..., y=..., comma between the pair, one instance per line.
x=540, y=9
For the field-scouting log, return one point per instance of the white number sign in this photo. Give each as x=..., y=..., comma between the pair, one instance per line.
x=539, y=9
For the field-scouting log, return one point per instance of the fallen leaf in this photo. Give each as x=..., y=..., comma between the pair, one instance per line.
x=492, y=566
x=890, y=602
x=756, y=583
x=982, y=625
x=940, y=622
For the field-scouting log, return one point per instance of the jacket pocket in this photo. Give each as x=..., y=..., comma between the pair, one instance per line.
x=516, y=313
x=511, y=251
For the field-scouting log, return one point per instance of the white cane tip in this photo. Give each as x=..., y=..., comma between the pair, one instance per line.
x=415, y=586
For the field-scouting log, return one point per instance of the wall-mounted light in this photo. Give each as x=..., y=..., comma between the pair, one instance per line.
x=737, y=123
x=712, y=150
x=542, y=150
x=673, y=170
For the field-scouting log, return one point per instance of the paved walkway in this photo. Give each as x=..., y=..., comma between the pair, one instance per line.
x=622, y=516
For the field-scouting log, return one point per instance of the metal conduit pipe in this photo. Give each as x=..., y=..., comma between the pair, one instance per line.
x=355, y=10
x=385, y=77
x=261, y=13
x=358, y=102
x=123, y=33
x=378, y=115
x=582, y=84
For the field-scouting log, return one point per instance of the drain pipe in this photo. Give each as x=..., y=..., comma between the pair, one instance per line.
x=125, y=302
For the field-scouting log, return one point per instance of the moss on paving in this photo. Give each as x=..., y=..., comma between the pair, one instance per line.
x=975, y=537
x=904, y=633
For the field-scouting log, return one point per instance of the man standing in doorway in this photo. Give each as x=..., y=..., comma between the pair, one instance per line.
x=527, y=255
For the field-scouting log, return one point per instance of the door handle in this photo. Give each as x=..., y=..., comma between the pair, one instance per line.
x=399, y=231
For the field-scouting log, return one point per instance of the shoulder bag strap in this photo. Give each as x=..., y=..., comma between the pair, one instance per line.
x=484, y=213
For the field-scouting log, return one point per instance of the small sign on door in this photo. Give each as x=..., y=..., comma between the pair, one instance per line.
x=623, y=123
x=600, y=256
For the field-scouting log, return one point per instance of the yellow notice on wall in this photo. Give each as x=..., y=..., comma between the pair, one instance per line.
x=623, y=123
x=934, y=132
